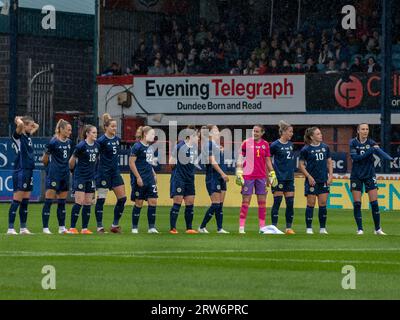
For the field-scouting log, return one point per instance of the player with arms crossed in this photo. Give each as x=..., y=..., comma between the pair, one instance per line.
x=108, y=174
x=362, y=175
x=23, y=173
x=83, y=163
x=56, y=159
x=284, y=166
x=316, y=165
x=216, y=179
x=184, y=158
x=144, y=179
x=251, y=174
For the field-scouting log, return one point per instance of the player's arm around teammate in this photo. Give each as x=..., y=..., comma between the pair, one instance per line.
x=182, y=187
x=56, y=158
x=316, y=165
x=22, y=173
x=284, y=166
x=216, y=179
x=143, y=179
x=83, y=163
x=362, y=175
x=108, y=175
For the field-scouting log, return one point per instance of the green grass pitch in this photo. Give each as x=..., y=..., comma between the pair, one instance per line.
x=213, y=266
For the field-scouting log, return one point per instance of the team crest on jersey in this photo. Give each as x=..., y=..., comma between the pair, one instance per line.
x=80, y=186
x=104, y=183
x=96, y=150
x=354, y=184
x=263, y=146
x=323, y=149
x=53, y=184
x=25, y=185
x=367, y=146
x=137, y=193
x=218, y=187
x=280, y=186
x=312, y=189
x=178, y=190
x=245, y=188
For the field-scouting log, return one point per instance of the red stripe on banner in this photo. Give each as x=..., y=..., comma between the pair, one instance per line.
x=118, y=80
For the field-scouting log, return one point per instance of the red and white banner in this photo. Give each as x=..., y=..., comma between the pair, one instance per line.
x=221, y=94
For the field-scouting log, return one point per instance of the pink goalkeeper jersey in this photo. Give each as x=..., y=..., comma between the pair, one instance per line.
x=256, y=153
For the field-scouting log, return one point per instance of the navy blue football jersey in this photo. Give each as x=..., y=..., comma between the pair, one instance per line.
x=59, y=153
x=86, y=165
x=24, y=148
x=109, y=154
x=315, y=158
x=362, y=155
x=144, y=161
x=186, y=157
x=217, y=151
x=283, y=160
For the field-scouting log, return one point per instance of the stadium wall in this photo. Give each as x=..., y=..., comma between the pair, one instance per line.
x=339, y=198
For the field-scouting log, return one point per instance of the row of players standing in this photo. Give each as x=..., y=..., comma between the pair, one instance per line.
x=95, y=165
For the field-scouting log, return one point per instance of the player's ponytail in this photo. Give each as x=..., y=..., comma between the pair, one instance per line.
x=107, y=119
x=308, y=134
x=61, y=125
x=283, y=126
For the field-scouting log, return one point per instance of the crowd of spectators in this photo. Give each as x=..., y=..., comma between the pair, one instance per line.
x=242, y=49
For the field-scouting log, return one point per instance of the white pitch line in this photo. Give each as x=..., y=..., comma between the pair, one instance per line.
x=154, y=257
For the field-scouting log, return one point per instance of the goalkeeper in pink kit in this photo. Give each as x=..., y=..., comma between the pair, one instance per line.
x=251, y=174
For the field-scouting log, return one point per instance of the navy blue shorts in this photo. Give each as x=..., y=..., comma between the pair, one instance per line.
x=59, y=184
x=319, y=188
x=148, y=191
x=23, y=180
x=84, y=186
x=215, y=185
x=284, y=186
x=369, y=184
x=109, y=181
x=182, y=188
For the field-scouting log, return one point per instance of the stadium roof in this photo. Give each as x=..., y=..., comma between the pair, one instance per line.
x=76, y=6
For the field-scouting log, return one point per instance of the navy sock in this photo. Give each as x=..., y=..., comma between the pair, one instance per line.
x=23, y=212
x=46, y=212
x=85, y=216
x=376, y=214
x=219, y=216
x=99, y=212
x=135, y=217
x=309, y=216
x=275, y=210
x=209, y=214
x=322, y=216
x=75, y=214
x=12, y=213
x=289, y=212
x=151, y=216
x=189, y=213
x=61, y=212
x=173, y=215
x=119, y=210
x=357, y=214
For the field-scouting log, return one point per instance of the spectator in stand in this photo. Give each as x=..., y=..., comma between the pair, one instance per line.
x=357, y=66
x=325, y=55
x=262, y=49
x=298, y=68
x=201, y=36
x=170, y=67
x=193, y=62
x=113, y=70
x=274, y=69
x=238, y=68
x=310, y=66
x=141, y=52
x=344, y=67
x=312, y=51
x=286, y=67
x=262, y=67
x=207, y=62
x=373, y=66
x=180, y=64
x=250, y=68
x=341, y=53
x=332, y=68
x=157, y=70
x=299, y=56
x=373, y=46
